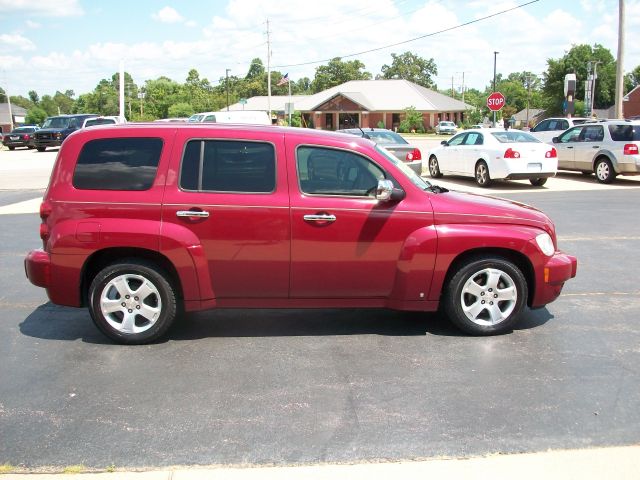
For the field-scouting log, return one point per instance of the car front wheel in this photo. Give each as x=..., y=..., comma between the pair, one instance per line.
x=538, y=182
x=486, y=296
x=483, y=178
x=132, y=302
x=604, y=170
x=434, y=167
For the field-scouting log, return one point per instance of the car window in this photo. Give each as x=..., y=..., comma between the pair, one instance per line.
x=228, y=166
x=572, y=135
x=326, y=171
x=209, y=118
x=99, y=121
x=625, y=133
x=473, y=138
x=563, y=125
x=458, y=139
x=542, y=126
x=385, y=138
x=118, y=164
x=515, y=136
x=592, y=133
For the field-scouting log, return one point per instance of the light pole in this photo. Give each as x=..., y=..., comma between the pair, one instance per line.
x=227, y=82
x=593, y=86
x=495, y=56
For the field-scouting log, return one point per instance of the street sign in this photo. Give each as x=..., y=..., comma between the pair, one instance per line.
x=242, y=101
x=495, y=101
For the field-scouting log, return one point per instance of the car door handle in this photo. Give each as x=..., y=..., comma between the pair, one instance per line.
x=569, y=147
x=320, y=218
x=596, y=146
x=192, y=213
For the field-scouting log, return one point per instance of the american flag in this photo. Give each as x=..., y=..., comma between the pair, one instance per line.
x=284, y=79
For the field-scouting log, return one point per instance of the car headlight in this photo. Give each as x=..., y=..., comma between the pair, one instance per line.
x=546, y=244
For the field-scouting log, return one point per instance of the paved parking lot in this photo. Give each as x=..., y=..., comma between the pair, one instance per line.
x=308, y=386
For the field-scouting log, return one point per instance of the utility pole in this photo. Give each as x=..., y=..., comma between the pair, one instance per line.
x=528, y=96
x=593, y=85
x=227, y=83
x=453, y=92
x=462, y=87
x=619, y=66
x=268, y=69
x=495, y=56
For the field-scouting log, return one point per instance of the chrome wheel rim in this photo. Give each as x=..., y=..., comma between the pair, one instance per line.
x=602, y=170
x=433, y=166
x=130, y=303
x=481, y=174
x=488, y=297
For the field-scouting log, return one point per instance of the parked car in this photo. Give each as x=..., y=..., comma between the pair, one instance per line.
x=19, y=137
x=393, y=142
x=93, y=121
x=254, y=117
x=478, y=125
x=606, y=147
x=446, y=127
x=551, y=127
x=263, y=216
x=494, y=153
x=55, y=129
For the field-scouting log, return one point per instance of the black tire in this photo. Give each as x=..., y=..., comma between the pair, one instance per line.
x=12, y=148
x=488, y=274
x=41, y=149
x=434, y=167
x=604, y=170
x=134, y=276
x=538, y=182
x=482, y=176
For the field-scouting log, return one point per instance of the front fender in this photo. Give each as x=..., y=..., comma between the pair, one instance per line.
x=415, y=265
x=459, y=239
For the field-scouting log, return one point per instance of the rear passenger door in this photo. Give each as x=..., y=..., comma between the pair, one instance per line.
x=230, y=195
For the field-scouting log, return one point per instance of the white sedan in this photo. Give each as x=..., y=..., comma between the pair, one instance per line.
x=493, y=153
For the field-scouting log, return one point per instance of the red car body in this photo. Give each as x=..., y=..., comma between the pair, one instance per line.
x=259, y=250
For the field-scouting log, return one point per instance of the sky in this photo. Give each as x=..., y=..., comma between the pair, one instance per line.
x=50, y=45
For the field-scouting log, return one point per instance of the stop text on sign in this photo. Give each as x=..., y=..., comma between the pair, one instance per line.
x=495, y=101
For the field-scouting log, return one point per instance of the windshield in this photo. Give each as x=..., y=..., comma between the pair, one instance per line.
x=385, y=138
x=413, y=176
x=56, y=122
x=515, y=136
x=195, y=118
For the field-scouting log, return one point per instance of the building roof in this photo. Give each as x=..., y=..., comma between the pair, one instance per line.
x=521, y=116
x=262, y=103
x=16, y=110
x=386, y=96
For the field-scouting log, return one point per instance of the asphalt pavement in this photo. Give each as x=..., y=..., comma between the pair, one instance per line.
x=297, y=387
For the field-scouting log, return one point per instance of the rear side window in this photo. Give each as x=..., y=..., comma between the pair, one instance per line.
x=118, y=164
x=228, y=166
x=625, y=133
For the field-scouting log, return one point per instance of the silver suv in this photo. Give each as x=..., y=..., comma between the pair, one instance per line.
x=606, y=147
x=551, y=127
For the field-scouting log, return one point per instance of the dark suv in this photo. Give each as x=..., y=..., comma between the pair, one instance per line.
x=56, y=129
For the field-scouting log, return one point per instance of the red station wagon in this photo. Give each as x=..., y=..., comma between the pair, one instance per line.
x=140, y=222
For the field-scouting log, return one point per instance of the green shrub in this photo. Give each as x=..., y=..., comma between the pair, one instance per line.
x=381, y=124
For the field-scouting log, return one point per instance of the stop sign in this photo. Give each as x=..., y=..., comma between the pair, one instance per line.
x=495, y=101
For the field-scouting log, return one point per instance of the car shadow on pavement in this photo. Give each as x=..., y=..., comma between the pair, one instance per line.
x=450, y=181
x=591, y=179
x=53, y=322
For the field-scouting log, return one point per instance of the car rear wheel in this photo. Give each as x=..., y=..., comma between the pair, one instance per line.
x=538, y=182
x=12, y=148
x=132, y=302
x=434, y=167
x=41, y=149
x=483, y=178
x=604, y=170
x=486, y=296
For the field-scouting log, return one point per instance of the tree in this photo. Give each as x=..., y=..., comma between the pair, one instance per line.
x=632, y=79
x=35, y=116
x=179, y=110
x=3, y=95
x=256, y=70
x=337, y=72
x=412, y=121
x=575, y=61
x=33, y=96
x=64, y=102
x=411, y=67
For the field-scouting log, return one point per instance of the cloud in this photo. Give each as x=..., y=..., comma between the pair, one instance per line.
x=168, y=15
x=16, y=41
x=32, y=24
x=45, y=8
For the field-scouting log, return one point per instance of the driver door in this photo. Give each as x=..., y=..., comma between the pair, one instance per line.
x=566, y=148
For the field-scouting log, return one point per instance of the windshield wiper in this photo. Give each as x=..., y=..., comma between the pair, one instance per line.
x=436, y=189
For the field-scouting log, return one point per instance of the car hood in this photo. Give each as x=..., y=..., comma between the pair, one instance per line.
x=459, y=207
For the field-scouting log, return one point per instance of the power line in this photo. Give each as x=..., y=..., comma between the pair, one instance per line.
x=411, y=39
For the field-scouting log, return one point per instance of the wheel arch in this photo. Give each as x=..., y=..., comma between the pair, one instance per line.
x=607, y=155
x=517, y=258
x=100, y=259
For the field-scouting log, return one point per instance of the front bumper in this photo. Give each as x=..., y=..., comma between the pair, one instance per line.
x=549, y=281
x=47, y=142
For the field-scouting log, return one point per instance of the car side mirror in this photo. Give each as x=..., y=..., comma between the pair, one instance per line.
x=386, y=192
x=555, y=140
x=445, y=143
